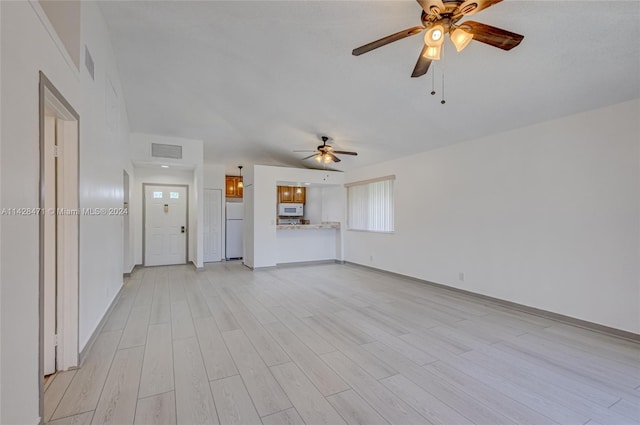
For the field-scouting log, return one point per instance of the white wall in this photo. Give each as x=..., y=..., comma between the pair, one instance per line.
x=325, y=203
x=214, y=176
x=104, y=133
x=333, y=204
x=260, y=207
x=313, y=204
x=248, y=233
x=547, y=216
x=192, y=154
x=29, y=45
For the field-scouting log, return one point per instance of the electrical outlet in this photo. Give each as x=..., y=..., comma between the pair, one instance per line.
x=461, y=276
x=371, y=258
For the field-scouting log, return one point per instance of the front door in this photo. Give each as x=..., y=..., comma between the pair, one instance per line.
x=165, y=228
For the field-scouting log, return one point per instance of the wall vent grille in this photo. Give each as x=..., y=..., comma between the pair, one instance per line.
x=160, y=150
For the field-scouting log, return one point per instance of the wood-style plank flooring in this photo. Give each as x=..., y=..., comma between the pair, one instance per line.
x=336, y=344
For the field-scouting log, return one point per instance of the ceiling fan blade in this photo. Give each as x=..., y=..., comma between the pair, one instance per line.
x=502, y=39
x=422, y=66
x=471, y=7
x=386, y=40
x=345, y=152
x=310, y=156
x=308, y=150
x=333, y=157
x=432, y=7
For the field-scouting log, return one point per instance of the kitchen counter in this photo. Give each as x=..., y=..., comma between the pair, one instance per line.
x=307, y=242
x=330, y=225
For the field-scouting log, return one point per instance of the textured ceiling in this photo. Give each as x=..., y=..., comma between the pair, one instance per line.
x=257, y=80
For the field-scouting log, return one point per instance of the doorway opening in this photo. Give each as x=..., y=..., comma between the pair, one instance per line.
x=165, y=234
x=59, y=233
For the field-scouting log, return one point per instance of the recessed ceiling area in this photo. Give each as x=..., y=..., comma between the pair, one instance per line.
x=258, y=80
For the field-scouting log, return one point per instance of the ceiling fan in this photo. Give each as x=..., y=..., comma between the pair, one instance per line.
x=325, y=153
x=440, y=17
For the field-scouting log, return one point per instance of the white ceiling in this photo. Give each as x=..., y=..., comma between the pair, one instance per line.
x=256, y=80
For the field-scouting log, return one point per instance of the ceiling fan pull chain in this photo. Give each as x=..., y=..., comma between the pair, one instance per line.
x=443, y=101
x=433, y=79
x=444, y=58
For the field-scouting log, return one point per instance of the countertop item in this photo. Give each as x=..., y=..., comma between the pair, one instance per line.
x=324, y=225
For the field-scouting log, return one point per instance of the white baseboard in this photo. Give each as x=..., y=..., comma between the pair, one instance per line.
x=98, y=329
x=596, y=327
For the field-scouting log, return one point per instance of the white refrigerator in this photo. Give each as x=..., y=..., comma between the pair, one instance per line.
x=235, y=215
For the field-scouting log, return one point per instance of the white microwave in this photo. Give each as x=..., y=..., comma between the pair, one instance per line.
x=291, y=210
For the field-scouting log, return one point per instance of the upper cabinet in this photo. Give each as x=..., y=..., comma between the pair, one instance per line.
x=233, y=187
x=291, y=194
x=299, y=195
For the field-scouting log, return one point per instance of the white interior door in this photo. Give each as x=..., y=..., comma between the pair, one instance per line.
x=165, y=225
x=50, y=269
x=212, y=225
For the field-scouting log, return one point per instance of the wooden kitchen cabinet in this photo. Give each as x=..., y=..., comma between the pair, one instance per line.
x=291, y=194
x=285, y=195
x=299, y=195
x=232, y=189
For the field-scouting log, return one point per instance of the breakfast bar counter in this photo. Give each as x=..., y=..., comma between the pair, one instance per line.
x=307, y=242
x=326, y=225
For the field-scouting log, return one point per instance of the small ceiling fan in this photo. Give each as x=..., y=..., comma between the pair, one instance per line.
x=440, y=17
x=325, y=153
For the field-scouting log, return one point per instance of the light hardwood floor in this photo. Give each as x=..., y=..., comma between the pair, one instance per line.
x=336, y=344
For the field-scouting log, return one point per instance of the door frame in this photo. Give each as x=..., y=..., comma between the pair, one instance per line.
x=144, y=219
x=67, y=316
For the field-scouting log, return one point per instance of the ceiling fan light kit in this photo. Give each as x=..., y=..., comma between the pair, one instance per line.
x=440, y=18
x=432, y=52
x=433, y=39
x=460, y=38
x=434, y=35
x=325, y=153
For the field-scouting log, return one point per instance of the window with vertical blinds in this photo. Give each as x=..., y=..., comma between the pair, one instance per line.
x=370, y=205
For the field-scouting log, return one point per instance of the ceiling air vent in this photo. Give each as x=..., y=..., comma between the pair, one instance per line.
x=160, y=150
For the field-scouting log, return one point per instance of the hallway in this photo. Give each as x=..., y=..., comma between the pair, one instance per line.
x=336, y=344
